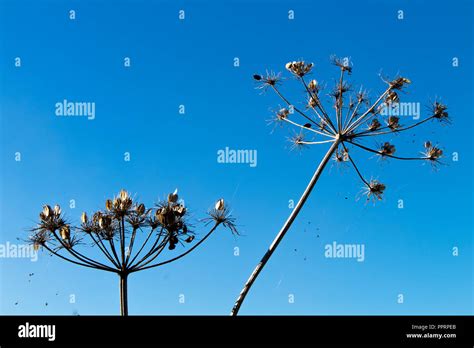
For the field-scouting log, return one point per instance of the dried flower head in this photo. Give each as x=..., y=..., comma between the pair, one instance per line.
x=399, y=83
x=341, y=156
x=387, y=149
x=392, y=98
x=374, y=125
x=393, y=122
x=343, y=63
x=440, y=112
x=297, y=141
x=374, y=190
x=270, y=79
x=282, y=114
x=140, y=209
x=299, y=68
x=432, y=153
x=224, y=217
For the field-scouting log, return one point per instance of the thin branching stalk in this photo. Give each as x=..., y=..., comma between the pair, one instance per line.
x=345, y=134
x=122, y=214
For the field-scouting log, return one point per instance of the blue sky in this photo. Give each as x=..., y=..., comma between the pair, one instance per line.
x=407, y=251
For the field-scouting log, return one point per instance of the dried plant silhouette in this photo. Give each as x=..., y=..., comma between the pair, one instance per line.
x=355, y=120
x=116, y=231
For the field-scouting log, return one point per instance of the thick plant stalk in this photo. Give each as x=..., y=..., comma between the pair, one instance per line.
x=123, y=295
x=284, y=229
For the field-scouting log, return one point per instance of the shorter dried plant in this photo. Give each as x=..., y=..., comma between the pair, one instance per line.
x=116, y=230
x=355, y=120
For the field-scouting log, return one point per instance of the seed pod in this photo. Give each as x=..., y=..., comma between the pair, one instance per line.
x=180, y=209
x=126, y=204
x=257, y=77
x=289, y=65
x=57, y=210
x=123, y=194
x=427, y=144
x=189, y=239
x=173, y=197
x=313, y=84
x=160, y=216
x=141, y=209
x=47, y=211
x=84, y=218
x=102, y=222
x=109, y=204
x=36, y=246
x=220, y=204
x=65, y=232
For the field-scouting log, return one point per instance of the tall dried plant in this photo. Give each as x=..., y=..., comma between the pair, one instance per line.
x=116, y=230
x=354, y=121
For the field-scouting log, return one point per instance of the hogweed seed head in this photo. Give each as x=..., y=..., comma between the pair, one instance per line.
x=374, y=125
x=299, y=68
x=375, y=190
x=393, y=122
x=387, y=149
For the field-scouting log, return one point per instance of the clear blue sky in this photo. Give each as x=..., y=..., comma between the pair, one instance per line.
x=407, y=251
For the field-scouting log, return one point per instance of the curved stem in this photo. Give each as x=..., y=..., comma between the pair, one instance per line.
x=141, y=248
x=369, y=133
x=325, y=118
x=284, y=229
x=104, y=250
x=306, y=128
x=355, y=166
x=358, y=121
x=386, y=155
x=122, y=241
x=75, y=262
x=130, y=246
x=78, y=255
x=183, y=254
x=156, y=251
x=294, y=107
x=112, y=246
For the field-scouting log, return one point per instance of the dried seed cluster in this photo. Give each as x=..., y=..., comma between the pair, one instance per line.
x=355, y=117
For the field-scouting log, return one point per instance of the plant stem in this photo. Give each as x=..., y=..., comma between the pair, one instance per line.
x=285, y=228
x=123, y=294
